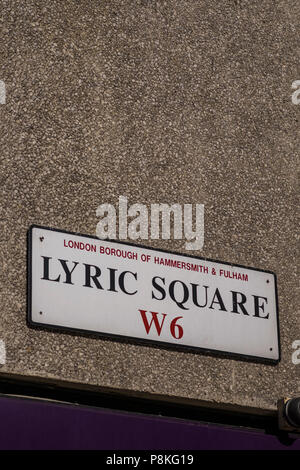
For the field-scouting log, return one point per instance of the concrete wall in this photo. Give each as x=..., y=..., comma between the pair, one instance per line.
x=160, y=101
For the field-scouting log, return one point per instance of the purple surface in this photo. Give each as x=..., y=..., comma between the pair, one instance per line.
x=36, y=425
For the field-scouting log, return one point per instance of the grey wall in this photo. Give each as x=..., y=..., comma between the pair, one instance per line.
x=160, y=101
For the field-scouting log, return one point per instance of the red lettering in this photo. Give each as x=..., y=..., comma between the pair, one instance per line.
x=179, y=329
x=154, y=319
x=175, y=329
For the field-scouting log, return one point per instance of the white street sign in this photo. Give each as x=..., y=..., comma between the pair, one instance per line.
x=120, y=290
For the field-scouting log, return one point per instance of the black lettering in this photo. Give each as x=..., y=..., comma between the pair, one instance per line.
x=121, y=282
x=159, y=288
x=218, y=301
x=258, y=306
x=46, y=270
x=236, y=304
x=185, y=294
x=68, y=273
x=195, y=297
x=95, y=276
x=112, y=280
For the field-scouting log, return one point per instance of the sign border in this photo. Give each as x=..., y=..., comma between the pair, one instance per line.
x=135, y=340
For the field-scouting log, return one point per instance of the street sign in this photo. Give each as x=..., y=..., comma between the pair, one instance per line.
x=123, y=291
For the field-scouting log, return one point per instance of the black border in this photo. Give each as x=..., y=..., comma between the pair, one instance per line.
x=134, y=340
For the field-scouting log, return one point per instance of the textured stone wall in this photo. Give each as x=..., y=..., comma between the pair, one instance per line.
x=160, y=101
